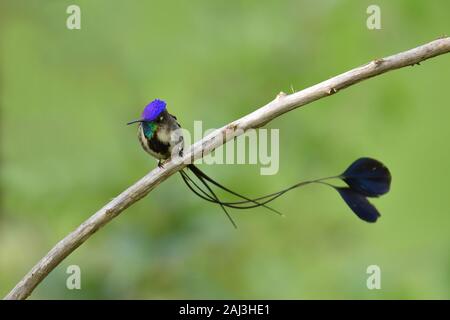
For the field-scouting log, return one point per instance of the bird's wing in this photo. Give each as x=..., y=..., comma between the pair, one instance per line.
x=175, y=118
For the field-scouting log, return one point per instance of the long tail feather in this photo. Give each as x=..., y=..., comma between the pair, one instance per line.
x=206, y=196
x=247, y=203
x=365, y=177
x=270, y=197
x=218, y=201
x=202, y=194
x=198, y=173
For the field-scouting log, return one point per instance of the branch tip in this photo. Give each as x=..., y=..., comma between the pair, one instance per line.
x=378, y=62
x=331, y=91
x=280, y=95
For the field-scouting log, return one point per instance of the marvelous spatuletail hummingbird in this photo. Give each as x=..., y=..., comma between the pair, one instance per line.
x=160, y=135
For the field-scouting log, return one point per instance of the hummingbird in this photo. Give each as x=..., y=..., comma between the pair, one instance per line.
x=160, y=135
x=158, y=131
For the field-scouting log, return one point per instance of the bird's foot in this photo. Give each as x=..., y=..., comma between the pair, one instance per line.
x=161, y=164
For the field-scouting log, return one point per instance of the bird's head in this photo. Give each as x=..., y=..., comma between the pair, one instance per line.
x=152, y=112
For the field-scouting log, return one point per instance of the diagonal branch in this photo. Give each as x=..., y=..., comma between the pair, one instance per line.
x=281, y=104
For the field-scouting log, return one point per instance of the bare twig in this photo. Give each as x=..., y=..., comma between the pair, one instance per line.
x=281, y=104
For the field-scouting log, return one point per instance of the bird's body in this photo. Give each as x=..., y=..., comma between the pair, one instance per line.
x=161, y=136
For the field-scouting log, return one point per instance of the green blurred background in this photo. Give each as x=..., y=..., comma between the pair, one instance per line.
x=65, y=150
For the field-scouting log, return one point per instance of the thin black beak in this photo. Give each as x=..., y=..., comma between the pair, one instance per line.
x=134, y=121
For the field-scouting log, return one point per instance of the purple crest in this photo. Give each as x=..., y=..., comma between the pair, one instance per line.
x=153, y=109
